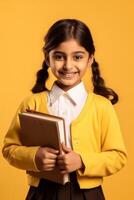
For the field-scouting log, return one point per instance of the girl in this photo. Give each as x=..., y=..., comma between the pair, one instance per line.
x=95, y=147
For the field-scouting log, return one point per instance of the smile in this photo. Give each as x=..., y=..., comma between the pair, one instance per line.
x=68, y=75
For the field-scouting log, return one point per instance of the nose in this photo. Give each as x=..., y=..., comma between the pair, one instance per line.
x=68, y=64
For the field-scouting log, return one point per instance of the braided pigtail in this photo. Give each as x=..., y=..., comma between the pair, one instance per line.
x=42, y=76
x=99, y=84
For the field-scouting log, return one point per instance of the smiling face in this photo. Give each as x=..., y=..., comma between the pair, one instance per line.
x=68, y=63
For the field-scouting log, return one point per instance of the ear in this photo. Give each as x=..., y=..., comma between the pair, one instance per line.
x=47, y=59
x=91, y=59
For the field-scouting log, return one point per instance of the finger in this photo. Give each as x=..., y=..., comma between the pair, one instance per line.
x=50, y=150
x=53, y=151
x=60, y=157
x=50, y=165
x=61, y=163
x=63, y=172
x=51, y=156
x=65, y=148
x=48, y=168
x=48, y=153
x=49, y=161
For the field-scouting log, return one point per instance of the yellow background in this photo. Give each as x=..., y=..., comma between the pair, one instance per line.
x=23, y=25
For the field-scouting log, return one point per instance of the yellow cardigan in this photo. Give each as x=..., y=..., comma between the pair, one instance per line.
x=95, y=135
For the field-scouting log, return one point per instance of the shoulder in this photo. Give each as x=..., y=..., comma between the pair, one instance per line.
x=99, y=99
x=32, y=101
x=34, y=97
x=100, y=102
x=103, y=106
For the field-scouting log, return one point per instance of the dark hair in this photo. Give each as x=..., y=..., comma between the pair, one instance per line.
x=61, y=31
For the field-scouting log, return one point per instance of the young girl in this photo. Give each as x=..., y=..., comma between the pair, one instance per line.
x=95, y=147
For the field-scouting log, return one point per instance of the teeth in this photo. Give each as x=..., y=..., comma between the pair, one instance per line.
x=68, y=73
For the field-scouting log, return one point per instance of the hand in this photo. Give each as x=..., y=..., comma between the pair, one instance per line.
x=69, y=161
x=45, y=158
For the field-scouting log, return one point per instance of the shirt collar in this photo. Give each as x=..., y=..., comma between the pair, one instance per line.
x=78, y=93
x=75, y=94
x=54, y=93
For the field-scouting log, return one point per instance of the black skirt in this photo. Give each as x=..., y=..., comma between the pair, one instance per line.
x=48, y=190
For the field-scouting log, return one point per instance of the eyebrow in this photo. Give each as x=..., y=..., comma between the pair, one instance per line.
x=65, y=53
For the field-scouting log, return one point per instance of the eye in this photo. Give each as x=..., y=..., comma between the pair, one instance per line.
x=58, y=57
x=78, y=57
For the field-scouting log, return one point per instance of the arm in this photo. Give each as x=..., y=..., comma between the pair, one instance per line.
x=113, y=155
x=17, y=155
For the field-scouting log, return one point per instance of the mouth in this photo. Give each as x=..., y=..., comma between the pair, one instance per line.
x=67, y=75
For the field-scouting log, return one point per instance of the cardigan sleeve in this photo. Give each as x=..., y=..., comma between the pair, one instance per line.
x=17, y=155
x=112, y=156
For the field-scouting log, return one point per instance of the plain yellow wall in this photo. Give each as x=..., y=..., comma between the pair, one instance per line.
x=23, y=25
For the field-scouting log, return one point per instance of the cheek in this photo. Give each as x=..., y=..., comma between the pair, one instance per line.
x=56, y=65
x=83, y=67
x=54, y=68
x=82, y=73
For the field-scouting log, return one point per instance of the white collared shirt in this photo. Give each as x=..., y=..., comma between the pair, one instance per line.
x=67, y=104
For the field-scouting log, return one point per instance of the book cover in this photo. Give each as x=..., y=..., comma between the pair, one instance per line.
x=40, y=129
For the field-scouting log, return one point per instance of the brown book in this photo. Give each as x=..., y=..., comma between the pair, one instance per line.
x=39, y=129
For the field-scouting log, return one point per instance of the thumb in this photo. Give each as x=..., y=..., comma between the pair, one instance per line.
x=65, y=148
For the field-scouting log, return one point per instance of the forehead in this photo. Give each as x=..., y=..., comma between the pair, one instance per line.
x=69, y=46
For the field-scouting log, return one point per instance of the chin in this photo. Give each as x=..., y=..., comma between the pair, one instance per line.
x=67, y=83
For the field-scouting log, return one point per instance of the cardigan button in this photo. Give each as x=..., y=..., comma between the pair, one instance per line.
x=76, y=142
